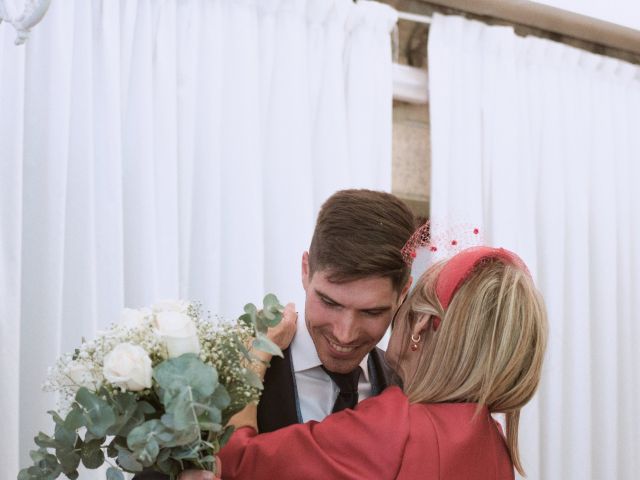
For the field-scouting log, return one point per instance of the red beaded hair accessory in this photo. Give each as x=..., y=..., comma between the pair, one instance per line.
x=463, y=248
x=433, y=242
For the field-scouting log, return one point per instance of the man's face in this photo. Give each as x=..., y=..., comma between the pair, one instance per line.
x=346, y=320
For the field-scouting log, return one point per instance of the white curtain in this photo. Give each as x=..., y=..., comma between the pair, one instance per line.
x=538, y=143
x=158, y=149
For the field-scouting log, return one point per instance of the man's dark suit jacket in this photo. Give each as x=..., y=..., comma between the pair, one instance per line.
x=278, y=405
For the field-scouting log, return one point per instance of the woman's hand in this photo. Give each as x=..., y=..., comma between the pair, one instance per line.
x=202, y=474
x=282, y=334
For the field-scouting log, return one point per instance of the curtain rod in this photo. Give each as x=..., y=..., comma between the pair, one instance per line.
x=624, y=42
x=413, y=17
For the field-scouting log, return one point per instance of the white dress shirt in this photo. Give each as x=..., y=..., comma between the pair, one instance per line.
x=316, y=391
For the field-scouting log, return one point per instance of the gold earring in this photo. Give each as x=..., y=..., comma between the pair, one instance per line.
x=415, y=340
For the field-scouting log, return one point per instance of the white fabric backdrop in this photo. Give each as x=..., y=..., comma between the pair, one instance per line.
x=538, y=144
x=158, y=149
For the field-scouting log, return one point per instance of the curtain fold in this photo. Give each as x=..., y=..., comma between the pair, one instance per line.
x=157, y=149
x=535, y=142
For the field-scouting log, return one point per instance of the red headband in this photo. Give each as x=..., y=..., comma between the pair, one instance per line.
x=458, y=268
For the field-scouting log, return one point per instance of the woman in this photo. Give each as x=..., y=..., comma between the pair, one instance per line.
x=469, y=341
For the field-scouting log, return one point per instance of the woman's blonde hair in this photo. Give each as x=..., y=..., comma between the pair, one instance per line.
x=489, y=346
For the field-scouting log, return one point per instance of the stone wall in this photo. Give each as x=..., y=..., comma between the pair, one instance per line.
x=411, y=168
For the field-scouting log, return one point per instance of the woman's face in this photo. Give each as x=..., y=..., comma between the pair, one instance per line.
x=399, y=354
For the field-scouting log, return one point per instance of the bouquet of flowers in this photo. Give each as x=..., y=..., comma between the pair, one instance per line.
x=154, y=391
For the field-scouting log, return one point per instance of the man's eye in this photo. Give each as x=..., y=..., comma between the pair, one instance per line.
x=328, y=302
x=373, y=313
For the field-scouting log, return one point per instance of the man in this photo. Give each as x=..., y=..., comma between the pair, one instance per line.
x=355, y=279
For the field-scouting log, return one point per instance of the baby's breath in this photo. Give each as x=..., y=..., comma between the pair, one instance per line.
x=220, y=340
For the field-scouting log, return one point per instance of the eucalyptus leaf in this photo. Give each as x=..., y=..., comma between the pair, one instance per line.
x=180, y=414
x=269, y=318
x=271, y=314
x=251, y=310
x=112, y=451
x=56, y=417
x=149, y=453
x=242, y=348
x=65, y=438
x=169, y=466
x=139, y=436
x=92, y=458
x=89, y=436
x=127, y=461
x=220, y=397
x=271, y=301
x=211, y=414
x=186, y=453
x=253, y=380
x=98, y=413
x=68, y=458
x=24, y=475
x=164, y=455
x=145, y=407
x=210, y=427
x=46, y=467
x=262, y=342
x=175, y=374
x=226, y=435
x=93, y=444
x=260, y=324
x=91, y=453
x=131, y=415
x=45, y=441
x=41, y=455
x=246, y=319
x=75, y=418
x=126, y=404
x=114, y=474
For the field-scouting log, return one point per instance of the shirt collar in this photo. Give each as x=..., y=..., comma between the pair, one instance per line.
x=304, y=355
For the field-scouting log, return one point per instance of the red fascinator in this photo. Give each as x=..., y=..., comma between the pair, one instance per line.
x=462, y=259
x=456, y=270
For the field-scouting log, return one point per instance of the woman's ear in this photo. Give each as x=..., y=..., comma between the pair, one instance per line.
x=421, y=325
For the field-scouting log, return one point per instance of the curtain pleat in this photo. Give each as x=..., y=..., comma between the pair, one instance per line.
x=534, y=141
x=158, y=149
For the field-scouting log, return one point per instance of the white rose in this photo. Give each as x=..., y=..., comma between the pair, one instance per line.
x=79, y=375
x=171, y=306
x=132, y=318
x=129, y=367
x=179, y=333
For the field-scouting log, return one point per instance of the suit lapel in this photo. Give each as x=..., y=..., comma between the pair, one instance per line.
x=277, y=407
x=380, y=373
x=278, y=403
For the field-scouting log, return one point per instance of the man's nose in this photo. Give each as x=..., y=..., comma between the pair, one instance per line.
x=346, y=329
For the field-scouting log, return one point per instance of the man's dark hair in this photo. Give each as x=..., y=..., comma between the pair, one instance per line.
x=360, y=233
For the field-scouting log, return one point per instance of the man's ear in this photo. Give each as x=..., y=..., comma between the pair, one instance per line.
x=305, y=270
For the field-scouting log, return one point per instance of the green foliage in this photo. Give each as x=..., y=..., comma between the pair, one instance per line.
x=114, y=474
x=262, y=320
x=180, y=423
x=98, y=414
x=262, y=342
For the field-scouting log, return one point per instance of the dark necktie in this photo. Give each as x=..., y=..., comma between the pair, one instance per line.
x=348, y=385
